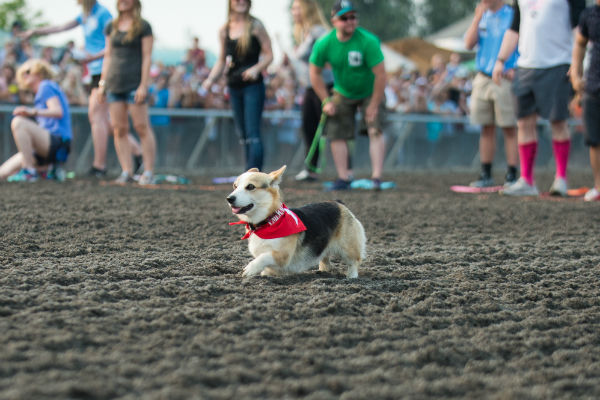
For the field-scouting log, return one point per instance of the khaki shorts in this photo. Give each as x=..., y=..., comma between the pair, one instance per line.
x=492, y=104
x=342, y=125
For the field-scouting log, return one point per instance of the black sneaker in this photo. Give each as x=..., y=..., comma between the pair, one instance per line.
x=138, y=165
x=97, y=173
x=510, y=178
x=376, y=183
x=340, y=184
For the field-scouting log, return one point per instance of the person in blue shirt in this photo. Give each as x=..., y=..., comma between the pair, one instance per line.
x=492, y=105
x=42, y=133
x=94, y=19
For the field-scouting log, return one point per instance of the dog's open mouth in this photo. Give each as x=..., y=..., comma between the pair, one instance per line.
x=242, y=210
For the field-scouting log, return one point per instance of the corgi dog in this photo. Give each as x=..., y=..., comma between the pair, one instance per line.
x=284, y=240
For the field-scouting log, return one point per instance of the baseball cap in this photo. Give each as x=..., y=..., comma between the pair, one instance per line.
x=341, y=7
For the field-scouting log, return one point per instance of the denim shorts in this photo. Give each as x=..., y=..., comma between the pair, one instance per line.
x=127, y=97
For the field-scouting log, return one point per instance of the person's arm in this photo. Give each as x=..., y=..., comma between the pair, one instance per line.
x=50, y=29
x=92, y=57
x=142, y=90
x=217, y=69
x=318, y=84
x=509, y=44
x=54, y=110
x=577, y=62
x=378, y=92
x=472, y=34
x=104, y=73
x=266, y=53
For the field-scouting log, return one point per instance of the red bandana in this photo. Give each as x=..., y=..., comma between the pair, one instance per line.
x=283, y=223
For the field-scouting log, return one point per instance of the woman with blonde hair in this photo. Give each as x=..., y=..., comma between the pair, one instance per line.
x=93, y=20
x=245, y=49
x=309, y=25
x=42, y=133
x=124, y=85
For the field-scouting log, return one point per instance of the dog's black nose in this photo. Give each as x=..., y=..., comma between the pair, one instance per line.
x=231, y=199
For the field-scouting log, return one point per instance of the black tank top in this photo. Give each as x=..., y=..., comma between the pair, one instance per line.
x=241, y=63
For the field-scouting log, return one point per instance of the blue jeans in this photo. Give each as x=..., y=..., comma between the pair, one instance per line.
x=247, y=104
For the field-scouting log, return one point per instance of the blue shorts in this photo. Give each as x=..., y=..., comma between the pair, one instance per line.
x=58, y=152
x=127, y=97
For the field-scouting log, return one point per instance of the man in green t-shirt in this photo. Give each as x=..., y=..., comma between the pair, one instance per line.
x=359, y=82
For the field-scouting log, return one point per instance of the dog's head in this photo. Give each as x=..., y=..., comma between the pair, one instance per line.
x=256, y=195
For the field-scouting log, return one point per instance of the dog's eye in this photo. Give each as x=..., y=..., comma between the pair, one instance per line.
x=250, y=187
x=235, y=185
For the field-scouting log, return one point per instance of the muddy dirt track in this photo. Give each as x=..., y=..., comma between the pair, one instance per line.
x=110, y=292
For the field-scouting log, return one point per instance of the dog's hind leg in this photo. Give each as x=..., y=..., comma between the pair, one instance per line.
x=354, y=251
x=324, y=264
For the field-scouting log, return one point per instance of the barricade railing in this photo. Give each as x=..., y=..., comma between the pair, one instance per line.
x=204, y=141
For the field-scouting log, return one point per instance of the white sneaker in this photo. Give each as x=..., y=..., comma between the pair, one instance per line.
x=520, y=188
x=147, y=178
x=592, y=195
x=559, y=187
x=305, y=176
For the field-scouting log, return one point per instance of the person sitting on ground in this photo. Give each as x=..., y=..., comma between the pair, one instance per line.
x=42, y=133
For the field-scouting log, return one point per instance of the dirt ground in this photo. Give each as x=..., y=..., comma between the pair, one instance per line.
x=127, y=292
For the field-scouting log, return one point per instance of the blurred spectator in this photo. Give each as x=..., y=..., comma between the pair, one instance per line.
x=9, y=90
x=159, y=97
x=21, y=53
x=73, y=87
x=437, y=71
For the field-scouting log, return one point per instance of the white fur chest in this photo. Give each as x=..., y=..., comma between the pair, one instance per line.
x=257, y=245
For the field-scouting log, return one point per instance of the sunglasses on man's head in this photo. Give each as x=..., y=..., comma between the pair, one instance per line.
x=351, y=17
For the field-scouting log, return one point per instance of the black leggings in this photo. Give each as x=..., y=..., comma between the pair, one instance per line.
x=311, y=115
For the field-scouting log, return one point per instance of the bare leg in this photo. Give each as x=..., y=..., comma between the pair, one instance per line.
x=120, y=123
x=30, y=138
x=527, y=129
x=141, y=124
x=510, y=146
x=136, y=148
x=487, y=144
x=377, y=153
x=11, y=166
x=100, y=124
x=595, y=163
x=339, y=150
x=560, y=131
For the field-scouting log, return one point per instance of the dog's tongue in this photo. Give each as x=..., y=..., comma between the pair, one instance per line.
x=235, y=210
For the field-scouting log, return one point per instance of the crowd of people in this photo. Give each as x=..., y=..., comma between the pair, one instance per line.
x=244, y=77
x=443, y=89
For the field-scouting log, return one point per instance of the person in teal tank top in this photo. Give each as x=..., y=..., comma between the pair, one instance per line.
x=359, y=75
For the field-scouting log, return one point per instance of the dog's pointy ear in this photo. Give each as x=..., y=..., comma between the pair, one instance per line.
x=253, y=170
x=276, y=176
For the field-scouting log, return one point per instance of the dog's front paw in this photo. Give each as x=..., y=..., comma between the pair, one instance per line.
x=252, y=269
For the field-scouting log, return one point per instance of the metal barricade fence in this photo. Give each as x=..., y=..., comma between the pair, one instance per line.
x=202, y=142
